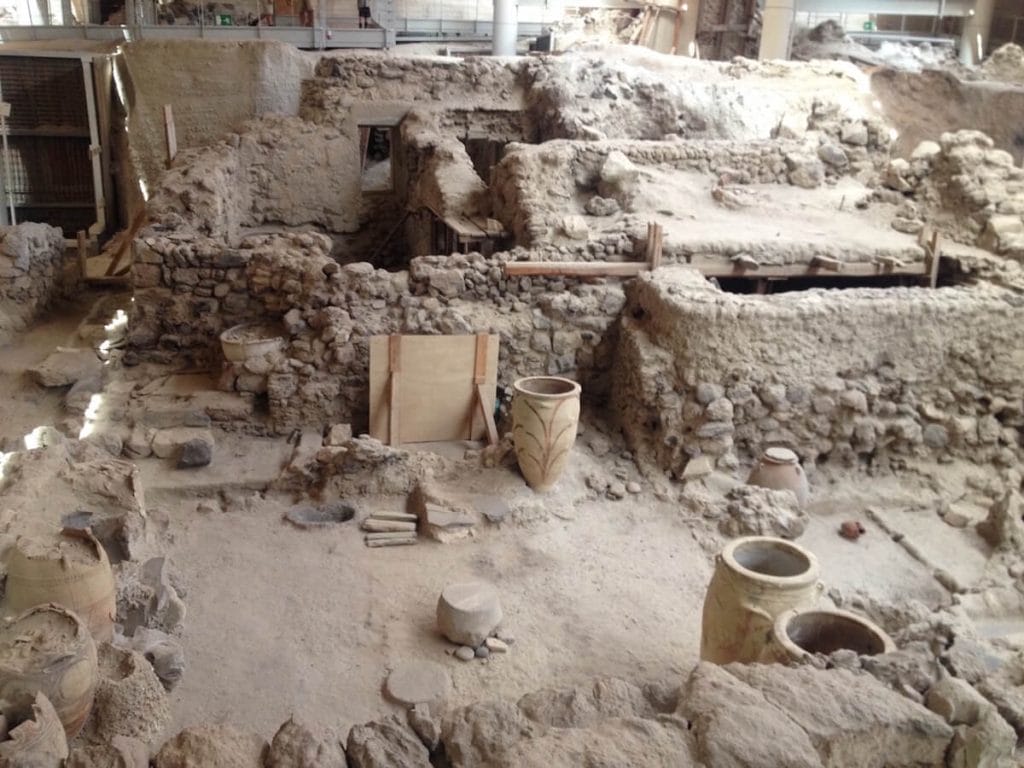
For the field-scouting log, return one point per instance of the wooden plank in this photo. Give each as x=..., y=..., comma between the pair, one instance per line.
x=437, y=391
x=394, y=388
x=170, y=134
x=576, y=268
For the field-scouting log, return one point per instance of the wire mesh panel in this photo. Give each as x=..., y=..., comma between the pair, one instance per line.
x=49, y=162
x=44, y=93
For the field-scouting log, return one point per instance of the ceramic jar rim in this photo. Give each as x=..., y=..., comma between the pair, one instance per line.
x=521, y=387
x=780, y=455
x=797, y=581
x=780, y=630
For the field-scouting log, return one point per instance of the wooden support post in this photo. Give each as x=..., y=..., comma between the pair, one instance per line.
x=479, y=401
x=655, y=237
x=933, y=255
x=171, y=135
x=83, y=254
x=394, y=368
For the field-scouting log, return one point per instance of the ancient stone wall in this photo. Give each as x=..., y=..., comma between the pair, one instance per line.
x=189, y=288
x=832, y=374
x=33, y=272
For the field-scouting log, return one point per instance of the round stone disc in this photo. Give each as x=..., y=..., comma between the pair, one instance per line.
x=418, y=682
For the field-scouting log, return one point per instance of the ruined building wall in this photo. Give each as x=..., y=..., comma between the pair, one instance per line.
x=276, y=170
x=377, y=87
x=212, y=87
x=190, y=287
x=832, y=374
x=34, y=271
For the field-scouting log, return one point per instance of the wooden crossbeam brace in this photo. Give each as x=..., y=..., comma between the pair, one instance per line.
x=479, y=400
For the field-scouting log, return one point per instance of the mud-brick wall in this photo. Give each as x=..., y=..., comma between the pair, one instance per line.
x=370, y=87
x=833, y=374
x=34, y=271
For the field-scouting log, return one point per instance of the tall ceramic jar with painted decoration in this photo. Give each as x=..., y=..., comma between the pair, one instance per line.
x=756, y=579
x=545, y=416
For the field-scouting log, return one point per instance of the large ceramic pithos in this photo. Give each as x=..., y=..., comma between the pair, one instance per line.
x=73, y=571
x=799, y=634
x=545, y=415
x=48, y=650
x=779, y=469
x=756, y=578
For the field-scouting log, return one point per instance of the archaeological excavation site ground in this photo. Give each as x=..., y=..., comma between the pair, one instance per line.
x=603, y=406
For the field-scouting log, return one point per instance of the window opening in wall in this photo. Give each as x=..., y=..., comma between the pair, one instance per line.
x=376, y=142
x=485, y=154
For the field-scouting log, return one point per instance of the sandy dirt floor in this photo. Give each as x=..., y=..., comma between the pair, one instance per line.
x=23, y=404
x=285, y=621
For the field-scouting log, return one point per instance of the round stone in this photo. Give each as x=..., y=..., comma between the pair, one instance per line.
x=482, y=652
x=780, y=456
x=418, y=682
x=467, y=612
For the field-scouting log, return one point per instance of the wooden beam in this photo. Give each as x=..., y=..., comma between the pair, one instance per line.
x=576, y=268
x=394, y=368
x=170, y=134
x=655, y=237
x=933, y=258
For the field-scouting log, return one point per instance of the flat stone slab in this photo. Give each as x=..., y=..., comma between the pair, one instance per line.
x=418, y=682
x=66, y=366
x=167, y=443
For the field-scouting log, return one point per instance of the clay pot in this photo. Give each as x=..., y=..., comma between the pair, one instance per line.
x=38, y=741
x=74, y=572
x=545, y=414
x=248, y=340
x=798, y=634
x=756, y=579
x=48, y=650
x=780, y=470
